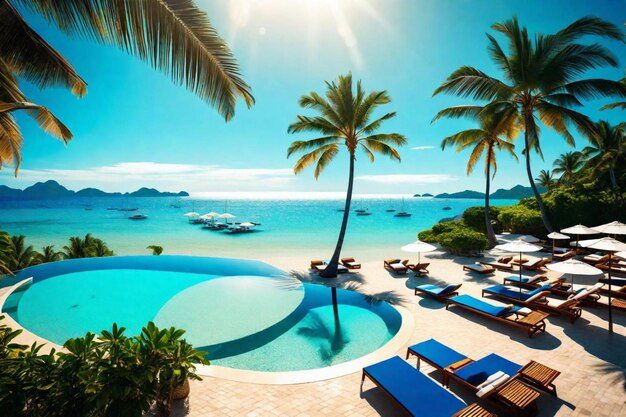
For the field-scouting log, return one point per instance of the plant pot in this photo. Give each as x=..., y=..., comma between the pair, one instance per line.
x=181, y=391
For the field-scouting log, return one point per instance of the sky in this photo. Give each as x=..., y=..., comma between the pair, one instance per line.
x=136, y=128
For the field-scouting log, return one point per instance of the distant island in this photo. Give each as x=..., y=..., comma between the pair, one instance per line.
x=515, y=193
x=53, y=190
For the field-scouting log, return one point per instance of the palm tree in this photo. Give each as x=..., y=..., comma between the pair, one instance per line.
x=607, y=149
x=617, y=105
x=543, y=81
x=345, y=119
x=545, y=178
x=98, y=249
x=78, y=248
x=47, y=254
x=568, y=164
x=173, y=36
x=19, y=256
x=4, y=252
x=496, y=132
x=156, y=249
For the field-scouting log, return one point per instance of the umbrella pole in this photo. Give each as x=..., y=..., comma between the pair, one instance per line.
x=419, y=257
x=553, y=244
x=610, y=310
x=520, y=274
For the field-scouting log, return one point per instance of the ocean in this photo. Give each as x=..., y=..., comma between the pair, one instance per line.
x=290, y=225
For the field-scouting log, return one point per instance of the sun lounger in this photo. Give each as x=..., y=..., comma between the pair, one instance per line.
x=536, y=265
x=615, y=269
x=596, y=258
x=515, y=295
x=560, y=250
x=618, y=287
x=530, y=320
x=320, y=266
x=416, y=393
x=350, y=263
x=501, y=264
x=564, y=256
x=526, y=282
x=438, y=291
x=419, y=269
x=397, y=266
x=479, y=268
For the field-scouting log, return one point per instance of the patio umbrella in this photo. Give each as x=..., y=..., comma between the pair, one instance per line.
x=519, y=246
x=418, y=247
x=613, y=228
x=578, y=230
x=610, y=245
x=247, y=224
x=191, y=214
x=573, y=267
x=529, y=238
x=226, y=216
x=621, y=254
x=556, y=236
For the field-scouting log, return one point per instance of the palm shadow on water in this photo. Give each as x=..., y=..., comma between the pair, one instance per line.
x=332, y=341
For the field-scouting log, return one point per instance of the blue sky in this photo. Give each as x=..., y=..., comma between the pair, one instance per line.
x=137, y=128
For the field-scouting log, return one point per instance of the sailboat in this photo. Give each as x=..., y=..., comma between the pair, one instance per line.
x=361, y=211
x=402, y=213
x=390, y=210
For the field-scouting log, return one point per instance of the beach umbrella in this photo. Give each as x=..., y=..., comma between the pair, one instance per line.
x=610, y=245
x=519, y=246
x=226, y=216
x=418, y=247
x=556, y=236
x=621, y=254
x=247, y=224
x=529, y=238
x=573, y=267
x=578, y=230
x=613, y=228
x=191, y=214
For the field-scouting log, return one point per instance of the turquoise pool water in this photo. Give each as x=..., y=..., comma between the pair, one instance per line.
x=244, y=314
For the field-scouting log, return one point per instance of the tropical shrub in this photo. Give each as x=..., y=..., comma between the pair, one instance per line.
x=474, y=217
x=89, y=247
x=456, y=237
x=112, y=375
x=156, y=249
x=521, y=219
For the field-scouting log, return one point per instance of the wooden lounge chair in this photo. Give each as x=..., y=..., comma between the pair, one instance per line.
x=415, y=393
x=438, y=291
x=419, y=269
x=479, y=268
x=530, y=320
x=501, y=264
x=350, y=263
x=536, y=265
x=618, y=287
x=615, y=268
x=396, y=266
x=526, y=282
x=596, y=258
x=319, y=266
x=564, y=256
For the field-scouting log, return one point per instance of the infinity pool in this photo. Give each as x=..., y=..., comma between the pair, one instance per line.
x=244, y=314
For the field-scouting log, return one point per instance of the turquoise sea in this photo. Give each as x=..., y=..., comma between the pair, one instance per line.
x=289, y=225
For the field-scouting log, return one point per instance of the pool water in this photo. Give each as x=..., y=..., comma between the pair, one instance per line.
x=255, y=322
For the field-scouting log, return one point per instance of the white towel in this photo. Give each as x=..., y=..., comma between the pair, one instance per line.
x=490, y=379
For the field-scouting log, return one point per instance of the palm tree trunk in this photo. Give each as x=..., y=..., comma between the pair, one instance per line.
x=331, y=269
x=542, y=208
x=612, y=176
x=491, y=235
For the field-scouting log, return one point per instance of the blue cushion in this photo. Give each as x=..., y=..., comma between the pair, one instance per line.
x=480, y=305
x=436, y=289
x=538, y=290
x=477, y=372
x=516, y=278
x=437, y=353
x=418, y=394
x=514, y=293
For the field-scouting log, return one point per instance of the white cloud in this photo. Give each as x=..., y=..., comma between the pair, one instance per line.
x=422, y=148
x=408, y=179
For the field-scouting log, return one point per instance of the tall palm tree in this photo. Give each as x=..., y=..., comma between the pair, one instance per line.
x=542, y=81
x=496, y=132
x=607, y=149
x=568, y=164
x=47, y=254
x=19, y=255
x=545, y=178
x=173, y=36
x=345, y=118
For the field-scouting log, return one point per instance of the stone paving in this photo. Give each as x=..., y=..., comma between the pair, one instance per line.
x=593, y=363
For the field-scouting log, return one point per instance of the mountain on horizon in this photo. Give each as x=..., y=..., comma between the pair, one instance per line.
x=53, y=190
x=516, y=193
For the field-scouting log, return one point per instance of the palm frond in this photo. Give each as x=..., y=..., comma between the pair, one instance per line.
x=9, y=90
x=458, y=112
x=593, y=88
x=558, y=117
x=304, y=145
x=316, y=102
x=590, y=25
x=315, y=124
x=463, y=139
x=368, y=152
x=471, y=82
x=173, y=36
x=475, y=156
x=619, y=105
x=306, y=160
x=375, y=125
x=44, y=118
x=325, y=158
x=392, y=138
x=10, y=142
x=382, y=148
x=367, y=106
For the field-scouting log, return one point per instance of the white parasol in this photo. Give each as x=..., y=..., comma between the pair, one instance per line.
x=418, y=247
x=519, y=246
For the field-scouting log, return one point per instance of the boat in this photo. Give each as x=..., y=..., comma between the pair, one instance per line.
x=129, y=209
x=138, y=217
x=402, y=213
x=390, y=210
x=363, y=213
x=446, y=208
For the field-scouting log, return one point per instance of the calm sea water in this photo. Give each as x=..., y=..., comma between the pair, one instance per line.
x=288, y=226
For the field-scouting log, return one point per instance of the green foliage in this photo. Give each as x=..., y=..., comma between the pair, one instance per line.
x=521, y=219
x=474, y=217
x=156, y=250
x=47, y=254
x=89, y=247
x=110, y=376
x=456, y=237
x=17, y=254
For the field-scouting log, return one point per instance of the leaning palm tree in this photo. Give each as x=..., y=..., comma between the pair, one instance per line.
x=345, y=119
x=568, y=164
x=542, y=81
x=496, y=132
x=19, y=255
x=607, y=149
x=546, y=178
x=47, y=254
x=173, y=36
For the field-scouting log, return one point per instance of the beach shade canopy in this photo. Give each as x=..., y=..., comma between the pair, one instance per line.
x=573, y=267
x=191, y=214
x=621, y=254
x=247, y=224
x=226, y=216
x=519, y=246
x=212, y=214
x=578, y=230
x=418, y=247
x=610, y=245
x=613, y=228
x=556, y=236
x=529, y=238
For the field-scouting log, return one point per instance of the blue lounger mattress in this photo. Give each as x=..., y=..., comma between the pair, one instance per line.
x=415, y=392
x=477, y=372
x=515, y=293
x=487, y=308
x=436, y=289
x=437, y=353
